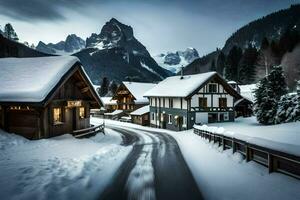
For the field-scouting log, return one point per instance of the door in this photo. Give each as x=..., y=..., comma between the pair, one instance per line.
x=74, y=119
x=201, y=118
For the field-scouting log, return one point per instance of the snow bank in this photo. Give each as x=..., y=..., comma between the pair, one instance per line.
x=276, y=137
x=59, y=168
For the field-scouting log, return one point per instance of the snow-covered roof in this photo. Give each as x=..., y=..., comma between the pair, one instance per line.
x=141, y=111
x=138, y=90
x=108, y=101
x=116, y=112
x=247, y=91
x=231, y=82
x=174, y=86
x=31, y=79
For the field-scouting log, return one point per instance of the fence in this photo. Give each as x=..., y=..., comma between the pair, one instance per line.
x=87, y=132
x=275, y=160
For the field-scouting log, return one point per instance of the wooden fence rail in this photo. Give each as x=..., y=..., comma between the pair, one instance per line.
x=87, y=132
x=275, y=160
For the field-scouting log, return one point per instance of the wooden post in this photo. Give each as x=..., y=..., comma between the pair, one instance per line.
x=233, y=146
x=248, y=156
x=270, y=163
x=223, y=143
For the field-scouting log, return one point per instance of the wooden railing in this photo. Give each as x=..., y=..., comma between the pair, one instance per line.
x=87, y=132
x=275, y=160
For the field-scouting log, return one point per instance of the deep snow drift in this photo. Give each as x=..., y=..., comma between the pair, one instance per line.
x=58, y=168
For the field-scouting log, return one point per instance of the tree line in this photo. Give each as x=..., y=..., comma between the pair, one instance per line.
x=252, y=63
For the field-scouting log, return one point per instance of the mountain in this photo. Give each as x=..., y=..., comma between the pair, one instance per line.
x=271, y=26
x=115, y=53
x=9, y=48
x=71, y=45
x=174, y=61
x=202, y=64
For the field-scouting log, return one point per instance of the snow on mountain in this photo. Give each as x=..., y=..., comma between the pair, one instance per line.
x=71, y=45
x=174, y=61
x=116, y=54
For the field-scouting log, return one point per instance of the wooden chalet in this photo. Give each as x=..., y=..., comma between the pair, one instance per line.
x=141, y=116
x=129, y=96
x=45, y=97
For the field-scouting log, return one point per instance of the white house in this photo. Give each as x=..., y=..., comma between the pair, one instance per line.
x=178, y=102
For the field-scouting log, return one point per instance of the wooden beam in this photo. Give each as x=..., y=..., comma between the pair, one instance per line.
x=84, y=90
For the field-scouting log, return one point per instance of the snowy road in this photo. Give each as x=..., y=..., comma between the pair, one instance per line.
x=155, y=169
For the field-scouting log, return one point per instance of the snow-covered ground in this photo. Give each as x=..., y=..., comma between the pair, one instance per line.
x=283, y=137
x=223, y=175
x=58, y=168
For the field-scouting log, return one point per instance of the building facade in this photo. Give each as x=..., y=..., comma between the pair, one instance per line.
x=129, y=96
x=179, y=102
x=141, y=116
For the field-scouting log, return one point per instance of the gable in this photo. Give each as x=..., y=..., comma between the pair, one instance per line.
x=76, y=86
x=222, y=87
x=122, y=91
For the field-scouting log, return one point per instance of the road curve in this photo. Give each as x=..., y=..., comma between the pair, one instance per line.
x=155, y=169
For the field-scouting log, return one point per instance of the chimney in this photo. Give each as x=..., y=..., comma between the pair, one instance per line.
x=181, y=72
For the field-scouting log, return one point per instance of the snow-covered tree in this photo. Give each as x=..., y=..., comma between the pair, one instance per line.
x=288, y=109
x=268, y=93
x=10, y=33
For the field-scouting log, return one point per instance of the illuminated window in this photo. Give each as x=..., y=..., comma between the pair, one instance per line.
x=57, y=115
x=81, y=112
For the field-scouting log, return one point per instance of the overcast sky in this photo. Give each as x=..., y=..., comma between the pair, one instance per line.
x=160, y=25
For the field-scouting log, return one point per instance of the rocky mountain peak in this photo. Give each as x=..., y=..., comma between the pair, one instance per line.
x=116, y=34
x=72, y=44
x=173, y=61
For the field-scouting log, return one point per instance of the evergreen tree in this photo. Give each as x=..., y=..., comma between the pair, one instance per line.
x=232, y=63
x=104, y=87
x=247, y=65
x=221, y=63
x=213, y=65
x=10, y=33
x=268, y=93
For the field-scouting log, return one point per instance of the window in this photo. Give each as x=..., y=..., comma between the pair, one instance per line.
x=170, y=103
x=202, y=102
x=81, y=112
x=212, y=88
x=164, y=102
x=57, y=115
x=222, y=102
x=170, y=119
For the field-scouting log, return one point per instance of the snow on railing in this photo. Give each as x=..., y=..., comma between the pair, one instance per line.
x=273, y=155
x=88, y=131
